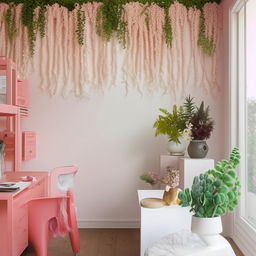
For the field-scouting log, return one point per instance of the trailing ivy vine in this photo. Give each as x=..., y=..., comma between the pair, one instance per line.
x=109, y=19
x=207, y=44
x=10, y=21
x=80, y=26
x=167, y=27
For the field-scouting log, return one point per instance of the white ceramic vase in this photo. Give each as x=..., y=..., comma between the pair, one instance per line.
x=177, y=149
x=206, y=226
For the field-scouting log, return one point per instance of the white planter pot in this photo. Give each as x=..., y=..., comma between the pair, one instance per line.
x=177, y=149
x=206, y=226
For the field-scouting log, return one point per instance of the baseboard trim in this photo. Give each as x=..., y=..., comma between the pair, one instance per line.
x=108, y=223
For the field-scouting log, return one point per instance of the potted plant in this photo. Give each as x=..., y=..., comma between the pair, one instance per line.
x=202, y=127
x=176, y=126
x=213, y=194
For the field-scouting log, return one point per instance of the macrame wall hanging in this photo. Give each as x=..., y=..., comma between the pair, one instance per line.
x=86, y=46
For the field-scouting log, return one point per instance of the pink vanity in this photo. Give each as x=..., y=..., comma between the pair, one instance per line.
x=18, y=146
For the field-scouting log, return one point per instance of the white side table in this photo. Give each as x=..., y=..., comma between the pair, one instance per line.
x=159, y=222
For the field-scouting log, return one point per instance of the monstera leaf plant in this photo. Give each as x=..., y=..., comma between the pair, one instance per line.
x=215, y=192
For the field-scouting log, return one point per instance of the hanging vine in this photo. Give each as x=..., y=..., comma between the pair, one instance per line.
x=10, y=21
x=110, y=19
x=41, y=20
x=80, y=26
x=206, y=43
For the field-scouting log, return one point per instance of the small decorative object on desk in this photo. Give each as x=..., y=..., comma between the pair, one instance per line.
x=176, y=126
x=202, y=127
x=213, y=194
x=170, y=180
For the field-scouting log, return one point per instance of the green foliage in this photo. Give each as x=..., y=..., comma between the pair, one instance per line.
x=215, y=192
x=28, y=20
x=80, y=26
x=171, y=124
x=41, y=20
x=10, y=21
x=189, y=106
x=167, y=27
x=206, y=43
x=202, y=123
x=148, y=179
x=109, y=19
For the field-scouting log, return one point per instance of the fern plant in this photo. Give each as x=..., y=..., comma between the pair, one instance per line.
x=171, y=124
x=177, y=122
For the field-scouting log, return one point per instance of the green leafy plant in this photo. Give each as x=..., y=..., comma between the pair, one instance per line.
x=175, y=123
x=190, y=107
x=202, y=124
x=215, y=192
x=171, y=124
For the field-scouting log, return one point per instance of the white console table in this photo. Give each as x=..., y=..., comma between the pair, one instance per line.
x=159, y=222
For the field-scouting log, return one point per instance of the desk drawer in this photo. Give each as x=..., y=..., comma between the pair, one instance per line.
x=33, y=191
x=20, y=216
x=20, y=229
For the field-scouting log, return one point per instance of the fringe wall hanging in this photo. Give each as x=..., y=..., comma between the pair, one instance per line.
x=163, y=48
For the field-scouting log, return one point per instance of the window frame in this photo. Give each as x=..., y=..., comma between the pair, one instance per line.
x=244, y=234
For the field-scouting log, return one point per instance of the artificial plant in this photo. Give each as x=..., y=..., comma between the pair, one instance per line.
x=173, y=124
x=202, y=123
x=110, y=19
x=215, y=192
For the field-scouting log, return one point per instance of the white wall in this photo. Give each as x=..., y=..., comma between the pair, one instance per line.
x=111, y=139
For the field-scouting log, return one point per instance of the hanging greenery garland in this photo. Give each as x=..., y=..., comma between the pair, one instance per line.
x=206, y=43
x=10, y=21
x=80, y=26
x=110, y=19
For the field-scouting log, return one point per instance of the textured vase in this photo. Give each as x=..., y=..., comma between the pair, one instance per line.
x=177, y=149
x=206, y=226
x=197, y=149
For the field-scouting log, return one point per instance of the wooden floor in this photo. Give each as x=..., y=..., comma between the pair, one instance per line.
x=102, y=242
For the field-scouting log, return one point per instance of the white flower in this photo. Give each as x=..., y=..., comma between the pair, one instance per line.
x=186, y=134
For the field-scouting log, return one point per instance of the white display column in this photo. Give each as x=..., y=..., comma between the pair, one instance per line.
x=191, y=167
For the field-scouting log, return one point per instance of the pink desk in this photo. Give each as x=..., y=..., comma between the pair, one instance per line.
x=14, y=212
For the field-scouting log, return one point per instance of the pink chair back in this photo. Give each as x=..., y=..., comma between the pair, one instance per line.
x=61, y=180
x=43, y=211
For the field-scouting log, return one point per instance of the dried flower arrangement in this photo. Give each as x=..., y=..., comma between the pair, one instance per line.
x=170, y=178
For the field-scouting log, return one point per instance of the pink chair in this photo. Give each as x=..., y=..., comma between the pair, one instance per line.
x=46, y=211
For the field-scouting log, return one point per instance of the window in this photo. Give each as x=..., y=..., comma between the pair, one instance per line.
x=243, y=117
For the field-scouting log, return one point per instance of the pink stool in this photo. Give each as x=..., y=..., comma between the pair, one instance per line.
x=42, y=211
